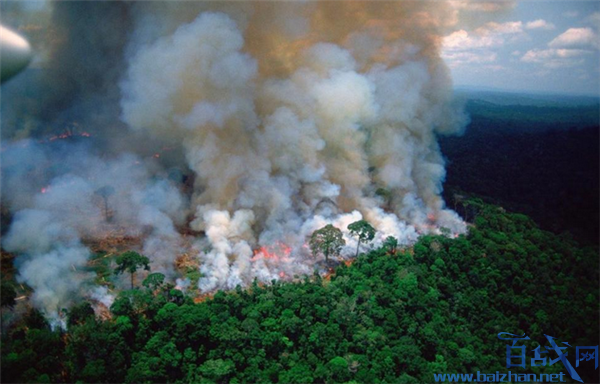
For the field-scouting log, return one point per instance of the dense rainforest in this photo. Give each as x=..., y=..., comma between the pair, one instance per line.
x=539, y=158
x=391, y=316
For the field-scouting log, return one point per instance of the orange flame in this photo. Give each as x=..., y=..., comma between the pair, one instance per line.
x=67, y=135
x=277, y=252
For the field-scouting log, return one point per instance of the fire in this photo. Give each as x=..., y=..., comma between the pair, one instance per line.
x=328, y=274
x=203, y=297
x=67, y=134
x=102, y=311
x=430, y=225
x=277, y=252
x=44, y=189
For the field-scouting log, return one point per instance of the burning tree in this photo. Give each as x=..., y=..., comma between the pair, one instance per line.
x=363, y=230
x=130, y=261
x=328, y=241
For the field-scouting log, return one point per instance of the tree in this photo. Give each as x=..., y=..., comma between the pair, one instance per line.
x=338, y=369
x=80, y=313
x=390, y=244
x=154, y=280
x=130, y=261
x=105, y=192
x=8, y=296
x=176, y=296
x=363, y=230
x=216, y=369
x=7, y=293
x=378, y=319
x=327, y=240
x=385, y=195
x=445, y=232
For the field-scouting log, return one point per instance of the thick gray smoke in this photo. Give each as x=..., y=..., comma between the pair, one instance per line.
x=286, y=116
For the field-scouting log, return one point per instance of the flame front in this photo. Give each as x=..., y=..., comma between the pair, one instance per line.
x=274, y=253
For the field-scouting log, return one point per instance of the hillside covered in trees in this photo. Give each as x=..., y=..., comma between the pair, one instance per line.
x=534, y=155
x=391, y=316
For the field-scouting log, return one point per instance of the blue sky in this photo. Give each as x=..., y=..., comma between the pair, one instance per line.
x=539, y=46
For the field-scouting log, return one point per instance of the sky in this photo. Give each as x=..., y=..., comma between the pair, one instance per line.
x=537, y=46
x=547, y=46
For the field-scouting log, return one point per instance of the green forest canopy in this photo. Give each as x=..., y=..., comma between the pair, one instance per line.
x=389, y=317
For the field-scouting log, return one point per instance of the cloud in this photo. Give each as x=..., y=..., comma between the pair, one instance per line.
x=540, y=24
x=537, y=55
x=476, y=47
x=489, y=35
x=470, y=57
x=510, y=27
x=576, y=38
x=462, y=41
x=555, y=58
x=483, y=6
x=594, y=19
x=566, y=50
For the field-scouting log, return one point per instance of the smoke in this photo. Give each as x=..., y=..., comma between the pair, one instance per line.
x=77, y=65
x=270, y=139
x=88, y=200
x=279, y=118
x=102, y=295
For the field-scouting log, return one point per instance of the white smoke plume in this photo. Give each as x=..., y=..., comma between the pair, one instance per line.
x=274, y=141
x=91, y=199
x=102, y=296
x=280, y=117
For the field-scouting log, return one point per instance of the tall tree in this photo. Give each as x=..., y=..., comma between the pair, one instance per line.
x=390, y=244
x=105, y=192
x=154, y=280
x=7, y=292
x=79, y=313
x=363, y=230
x=130, y=261
x=8, y=295
x=327, y=240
